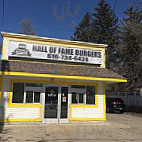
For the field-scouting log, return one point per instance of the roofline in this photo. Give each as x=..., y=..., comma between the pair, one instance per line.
x=15, y=35
x=5, y=73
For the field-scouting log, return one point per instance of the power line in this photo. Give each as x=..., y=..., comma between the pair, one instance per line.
x=2, y=15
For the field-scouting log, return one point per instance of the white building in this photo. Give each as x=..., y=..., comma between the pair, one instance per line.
x=52, y=80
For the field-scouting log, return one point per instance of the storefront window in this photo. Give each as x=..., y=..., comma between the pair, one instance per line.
x=83, y=95
x=78, y=98
x=74, y=98
x=36, y=97
x=81, y=98
x=18, y=93
x=30, y=95
x=90, y=95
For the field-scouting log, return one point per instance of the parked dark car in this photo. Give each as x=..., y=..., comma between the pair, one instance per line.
x=115, y=104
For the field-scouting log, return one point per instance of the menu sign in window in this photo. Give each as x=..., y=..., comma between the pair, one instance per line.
x=56, y=53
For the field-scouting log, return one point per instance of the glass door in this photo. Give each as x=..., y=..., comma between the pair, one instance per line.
x=55, y=104
x=64, y=102
x=51, y=104
x=64, y=105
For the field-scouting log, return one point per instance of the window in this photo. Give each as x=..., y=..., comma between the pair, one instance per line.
x=74, y=98
x=32, y=97
x=78, y=98
x=27, y=96
x=83, y=95
x=33, y=85
x=36, y=97
x=18, y=93
x=90, y=95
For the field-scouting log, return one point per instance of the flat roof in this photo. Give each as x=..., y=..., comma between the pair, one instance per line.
x=56, y=40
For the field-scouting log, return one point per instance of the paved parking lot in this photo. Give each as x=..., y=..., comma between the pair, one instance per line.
x=118, y=128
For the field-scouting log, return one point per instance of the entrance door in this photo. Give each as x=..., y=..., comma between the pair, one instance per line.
x=64, y=105
x=51, y=104
x=56, y=104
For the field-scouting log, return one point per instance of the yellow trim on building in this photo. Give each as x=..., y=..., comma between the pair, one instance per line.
x=62, y=76
x=85, y=106
x=90, y=106
x=104, y=99
x=38, y=81
x=59, y=43
x=87, y=119
x=54, y=78
x=3, y=49
x=10, y=104
x=55, y=42
x=53, y=82
x=40, y=105
x=96, y=105
x=52, y=40
x=21, y=120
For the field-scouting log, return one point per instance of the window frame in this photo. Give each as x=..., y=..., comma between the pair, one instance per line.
x=77, y=91
x=12, y=93
x=33, y=89
x=33, y=97
x=78, y=94
x=94, y=95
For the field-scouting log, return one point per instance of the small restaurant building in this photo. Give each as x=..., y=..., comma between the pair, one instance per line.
x=52, y=80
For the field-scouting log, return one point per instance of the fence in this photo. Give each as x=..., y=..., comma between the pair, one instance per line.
x=133, y=100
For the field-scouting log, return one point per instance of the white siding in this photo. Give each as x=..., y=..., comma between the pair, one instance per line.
x=80, y=112
x=16, y=112
x=23, y=113
x=34, y=112
x=5, y=91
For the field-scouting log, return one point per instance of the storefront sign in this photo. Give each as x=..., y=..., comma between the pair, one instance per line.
x=56, y=53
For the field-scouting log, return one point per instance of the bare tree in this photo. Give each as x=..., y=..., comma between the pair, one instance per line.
x=26, y=27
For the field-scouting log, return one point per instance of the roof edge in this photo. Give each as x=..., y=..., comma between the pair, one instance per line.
x=63, y=76
x=15, y=35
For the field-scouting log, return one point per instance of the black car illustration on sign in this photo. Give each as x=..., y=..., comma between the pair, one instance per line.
x=21, y=50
